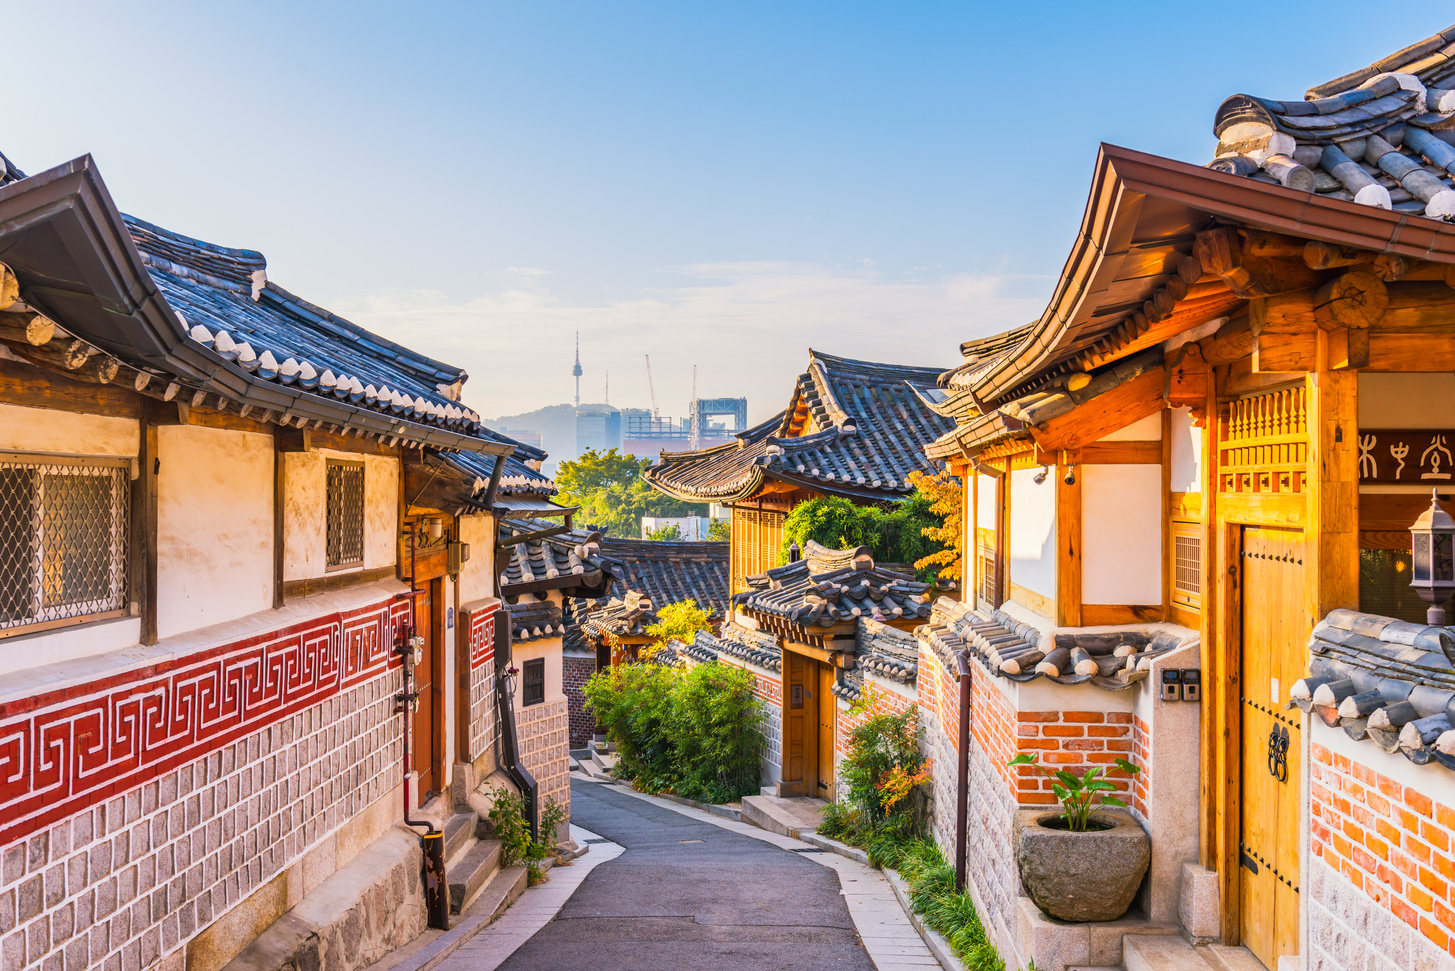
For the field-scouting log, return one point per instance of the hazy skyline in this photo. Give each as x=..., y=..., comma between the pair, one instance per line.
x=721, y=186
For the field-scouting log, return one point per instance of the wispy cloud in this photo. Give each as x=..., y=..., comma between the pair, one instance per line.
x=746, y=325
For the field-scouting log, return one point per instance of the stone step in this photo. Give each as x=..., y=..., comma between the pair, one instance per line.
x=604, y=762
x=1221, y=957
x=474, y=869
x=459, y=831
x=784, y=816
x=1161, y=953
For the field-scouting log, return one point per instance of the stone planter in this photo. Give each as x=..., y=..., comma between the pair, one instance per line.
x=1091, y=876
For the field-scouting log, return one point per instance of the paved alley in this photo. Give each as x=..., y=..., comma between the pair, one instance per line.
x=688, y=894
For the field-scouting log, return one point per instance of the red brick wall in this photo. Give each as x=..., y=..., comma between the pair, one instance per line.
x=575, y=672
x=1142, y=758
x=848, y=720
x=1074, y=741
x=1391, y=841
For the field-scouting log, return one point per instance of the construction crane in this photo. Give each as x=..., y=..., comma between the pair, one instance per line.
x=656, y=414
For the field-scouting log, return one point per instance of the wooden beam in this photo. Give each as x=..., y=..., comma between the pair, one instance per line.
x=1252, y=263
x=144, y=531
x=1187, y=387
x=1106, y=615
x=1284, y=510
x=32, y=386
x=1119, y=453
x=1211, y=802
x=1068, y=550
x=1233, y=340
x=1104, y=414
x=1169, y=559
x=1331, y=533
x=31, y=328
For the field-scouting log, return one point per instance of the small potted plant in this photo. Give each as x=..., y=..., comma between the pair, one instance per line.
x=1084, y=863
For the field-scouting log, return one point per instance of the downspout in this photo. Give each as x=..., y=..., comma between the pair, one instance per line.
x=962, y=784
x=509, y=745
x=432, y=841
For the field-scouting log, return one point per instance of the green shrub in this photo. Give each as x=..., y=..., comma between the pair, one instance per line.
x=696, y=733
x=893, y=535
x=879, y=779
x=512, y=829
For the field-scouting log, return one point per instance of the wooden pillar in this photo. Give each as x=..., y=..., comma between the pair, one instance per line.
x=279, y=465
x=1169, y=545
x=1068, y=549
x=144, y=527
x=1214, y=693
x=971, y=522
x=1002, y=535
x=1331, y=536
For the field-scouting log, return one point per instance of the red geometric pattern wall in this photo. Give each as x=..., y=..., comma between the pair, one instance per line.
x=62, y=751
x=481, y=631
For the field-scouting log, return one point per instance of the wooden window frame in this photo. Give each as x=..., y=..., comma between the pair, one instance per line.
x=536, y=665
x=328, y=513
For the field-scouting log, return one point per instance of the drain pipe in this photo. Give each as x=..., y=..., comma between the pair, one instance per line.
x=509, y=744
x=432, y=841
x=962, y=787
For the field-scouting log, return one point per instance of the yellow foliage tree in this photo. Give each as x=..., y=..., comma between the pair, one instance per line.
x=943, y=491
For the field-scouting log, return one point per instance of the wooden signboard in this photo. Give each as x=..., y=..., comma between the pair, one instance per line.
x=1423, y=456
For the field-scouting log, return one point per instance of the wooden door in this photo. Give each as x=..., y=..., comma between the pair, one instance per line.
x=426, y=742
x=827, y=712
x=799, y=734
x=1274, y=646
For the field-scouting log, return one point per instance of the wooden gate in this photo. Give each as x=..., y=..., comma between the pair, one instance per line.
x=828, y=711
x=809, y=713
x=1274, y=646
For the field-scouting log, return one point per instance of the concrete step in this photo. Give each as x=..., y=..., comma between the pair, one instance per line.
x=459, y=831
x=430, y=949
x=472, y=872
x=784, y=816
x=1161, y=953
x=1221, y=957
x=604, y=762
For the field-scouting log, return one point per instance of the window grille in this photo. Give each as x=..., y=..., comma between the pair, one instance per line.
x=63, y=539
x=985, y=553
x=345, y=514
x=533, y=682
x=1186, y=564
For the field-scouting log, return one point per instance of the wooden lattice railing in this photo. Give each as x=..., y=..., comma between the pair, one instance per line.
x=1263, y=443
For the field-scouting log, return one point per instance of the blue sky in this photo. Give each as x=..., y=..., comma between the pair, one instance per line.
x=714, y=184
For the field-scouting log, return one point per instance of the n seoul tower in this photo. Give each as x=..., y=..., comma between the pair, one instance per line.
x=576, y=371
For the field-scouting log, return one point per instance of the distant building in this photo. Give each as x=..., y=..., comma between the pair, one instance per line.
x=646, y=436
x=694, y=528
x=598, y=427
x=526, y=437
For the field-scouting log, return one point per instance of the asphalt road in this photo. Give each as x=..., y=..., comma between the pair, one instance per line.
x=687, y=896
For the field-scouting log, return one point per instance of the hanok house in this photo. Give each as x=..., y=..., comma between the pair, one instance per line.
x=653, y=575
x=1218, y=434
x=248, y=550
x=852, y=428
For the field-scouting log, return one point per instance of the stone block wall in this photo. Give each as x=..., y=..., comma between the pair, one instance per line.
x=139, y=809
x=543, y=750
x=576, y=670
x=479, y=623
x=1381, y=868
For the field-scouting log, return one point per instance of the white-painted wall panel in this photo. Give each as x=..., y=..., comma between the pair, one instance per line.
x=1424, y=400
x=305, y=479
x=1186, y=453
x=1033, y=532
x=214, y=526
x=477, y=576
x=1121, y=534
x=45, y=430
x=1147, y=429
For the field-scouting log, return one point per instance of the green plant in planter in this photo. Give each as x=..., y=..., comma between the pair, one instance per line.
x=1079, y=796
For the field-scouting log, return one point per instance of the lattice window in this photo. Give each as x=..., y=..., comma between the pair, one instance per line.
x=1263, y=441
x=533, y=682
x=985, y=554
x=1186, y=564
x=63, y=540
x=345, y=514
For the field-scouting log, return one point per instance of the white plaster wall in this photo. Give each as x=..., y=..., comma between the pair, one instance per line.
x=1033, y=532
x=214, y=526
x=548, y=648
x=1422, y=400
x=477, y=576
x=46, y=430
x=305, y=481
x=1121, y=534
x=1186, y=453
x=1147, y=429
x=69, y=643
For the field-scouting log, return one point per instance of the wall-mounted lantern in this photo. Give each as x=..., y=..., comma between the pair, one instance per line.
x=1434, y=559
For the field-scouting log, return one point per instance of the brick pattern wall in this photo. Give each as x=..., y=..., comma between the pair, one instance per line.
x=136, y=875
x=1378, y=848
x=1074, y=741
x=767, y=688
x=1141, y=757
x=483, y=728
x=885, y=700
x=543, y=730
x=576, y=670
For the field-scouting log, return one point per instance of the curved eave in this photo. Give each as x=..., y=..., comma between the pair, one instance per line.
x=1125, y=179
x=747, y=489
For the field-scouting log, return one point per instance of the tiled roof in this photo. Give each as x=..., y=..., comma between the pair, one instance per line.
x=1113, y=661
x=1386, y=681
x=1375, y=136
x=886, y=651
x=817, y=591
x=232, y=333
x=672, y=572
x=627, y=616
x=566, y=561
x=518, y=478
x=534, y=620
x=853, y=428
x=755, y=647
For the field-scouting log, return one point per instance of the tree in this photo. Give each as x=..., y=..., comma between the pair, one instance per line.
x=612, y=494
x=719, y=530
x=670, y=533
x=681, y=620
x=943, y=493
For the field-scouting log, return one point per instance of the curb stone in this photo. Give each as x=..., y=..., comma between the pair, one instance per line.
x=933, y=939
